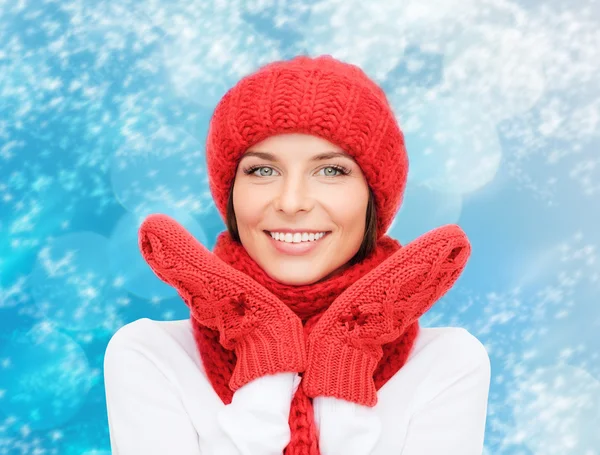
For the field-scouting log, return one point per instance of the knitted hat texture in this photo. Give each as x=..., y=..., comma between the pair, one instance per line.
x=321, y=96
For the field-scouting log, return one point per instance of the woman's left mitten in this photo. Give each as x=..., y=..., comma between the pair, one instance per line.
x=345, y=345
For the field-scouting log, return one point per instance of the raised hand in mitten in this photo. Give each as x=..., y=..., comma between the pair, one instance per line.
x=266, y=335
x=345, y=345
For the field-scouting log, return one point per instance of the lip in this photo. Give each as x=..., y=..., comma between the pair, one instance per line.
x=295, y=249
x=294, y=231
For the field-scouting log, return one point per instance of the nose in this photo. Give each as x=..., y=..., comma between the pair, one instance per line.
x=293, y=196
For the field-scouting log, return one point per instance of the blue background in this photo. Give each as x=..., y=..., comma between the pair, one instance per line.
x=104, y=108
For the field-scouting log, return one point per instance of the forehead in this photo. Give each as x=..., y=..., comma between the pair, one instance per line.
x=287, y=147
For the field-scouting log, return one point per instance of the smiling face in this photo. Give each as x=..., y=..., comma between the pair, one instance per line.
x=305, y=183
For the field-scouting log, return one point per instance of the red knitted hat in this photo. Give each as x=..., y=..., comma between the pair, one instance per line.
x=321, y=96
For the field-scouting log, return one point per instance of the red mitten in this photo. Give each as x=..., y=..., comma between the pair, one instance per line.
x=266, y=335
x=345, y=346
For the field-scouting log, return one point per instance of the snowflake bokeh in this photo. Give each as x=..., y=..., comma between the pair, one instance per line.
x=104, y=110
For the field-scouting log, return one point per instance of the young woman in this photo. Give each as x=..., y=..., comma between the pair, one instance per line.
x=303, y=336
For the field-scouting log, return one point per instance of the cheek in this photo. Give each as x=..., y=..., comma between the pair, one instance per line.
x=247, y=206
x=354, y=218
x=348, y=207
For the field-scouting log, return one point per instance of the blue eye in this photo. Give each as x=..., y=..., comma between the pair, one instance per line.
x=253, y=169
x=341, y=170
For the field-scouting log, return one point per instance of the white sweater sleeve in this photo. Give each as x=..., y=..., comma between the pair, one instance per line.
x=453, y=421
x=146, y=414
x=447, y=416
x=257, y=418
x=345, y=427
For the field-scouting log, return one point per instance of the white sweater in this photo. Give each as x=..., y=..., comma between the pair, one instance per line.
x=160, y=402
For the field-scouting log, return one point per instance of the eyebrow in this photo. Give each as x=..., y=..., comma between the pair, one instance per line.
x=320, y=157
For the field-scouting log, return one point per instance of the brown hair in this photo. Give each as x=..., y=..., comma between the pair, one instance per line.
x=366, y=247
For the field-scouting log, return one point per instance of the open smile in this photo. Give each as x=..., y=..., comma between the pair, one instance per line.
x=296, y=249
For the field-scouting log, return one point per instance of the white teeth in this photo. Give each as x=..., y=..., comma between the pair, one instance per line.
x=297, y=237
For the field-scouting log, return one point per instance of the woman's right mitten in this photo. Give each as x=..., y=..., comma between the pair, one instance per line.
x=266, y=335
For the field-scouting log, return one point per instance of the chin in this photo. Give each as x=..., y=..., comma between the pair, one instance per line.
x=294, y=274
x=298, y=278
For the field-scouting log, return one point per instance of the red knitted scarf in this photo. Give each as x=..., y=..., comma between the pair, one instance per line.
x=308, y=302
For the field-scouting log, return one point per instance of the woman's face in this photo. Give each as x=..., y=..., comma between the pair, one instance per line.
x=284, y=182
